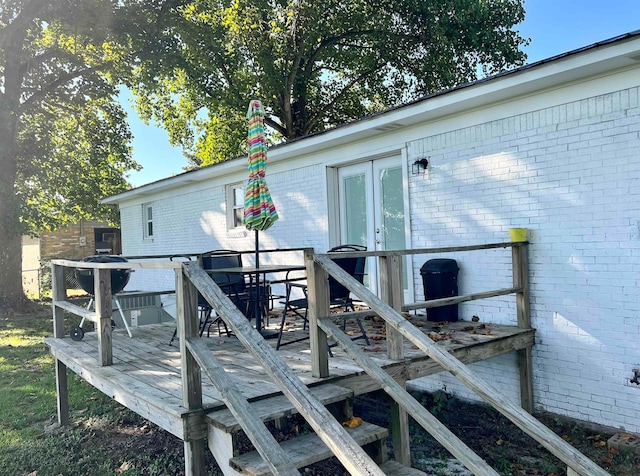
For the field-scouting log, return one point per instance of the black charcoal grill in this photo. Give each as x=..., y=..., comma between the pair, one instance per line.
x=119, y=277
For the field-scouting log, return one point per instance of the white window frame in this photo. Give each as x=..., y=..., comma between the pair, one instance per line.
x=235, y=194
x=147, y=221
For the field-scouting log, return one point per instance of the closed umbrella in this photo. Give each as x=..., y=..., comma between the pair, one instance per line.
x=259, y=211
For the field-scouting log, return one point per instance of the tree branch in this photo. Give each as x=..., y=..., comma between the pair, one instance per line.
x=26, y=15
x=49, y=88
x=274, y=125
x=320, y=113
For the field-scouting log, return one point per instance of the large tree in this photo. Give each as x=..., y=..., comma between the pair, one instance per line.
x=314, y=63
x=64, y=141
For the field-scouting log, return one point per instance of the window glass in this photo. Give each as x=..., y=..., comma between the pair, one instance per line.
x=147, y=214
x=235, y=205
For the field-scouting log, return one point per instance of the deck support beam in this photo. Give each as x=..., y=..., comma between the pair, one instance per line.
x=525, y=358
x=104, y=306
x=187, y=307
x=62, y=391
x=59, y=293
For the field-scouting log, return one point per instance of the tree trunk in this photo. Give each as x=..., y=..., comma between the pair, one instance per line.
x=11, y=293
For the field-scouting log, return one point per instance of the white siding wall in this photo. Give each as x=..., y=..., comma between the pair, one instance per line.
x=571, y=174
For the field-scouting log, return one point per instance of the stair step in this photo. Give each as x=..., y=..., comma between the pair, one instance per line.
x=394, y=468
x=306, y=449
x=278, y=406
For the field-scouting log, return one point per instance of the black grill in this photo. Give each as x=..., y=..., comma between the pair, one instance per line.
x=119, y=277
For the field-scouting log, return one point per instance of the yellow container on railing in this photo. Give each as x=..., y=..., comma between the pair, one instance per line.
x=518, y=234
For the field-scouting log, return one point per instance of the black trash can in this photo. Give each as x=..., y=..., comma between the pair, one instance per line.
x=440, y=280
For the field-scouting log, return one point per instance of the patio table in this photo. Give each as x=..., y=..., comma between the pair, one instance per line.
x=261, y=273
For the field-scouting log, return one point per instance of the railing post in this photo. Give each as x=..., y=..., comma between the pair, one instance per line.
x=59, y=293
x=187, y=316
x=520, y=264
x=102, y=295
x=392, y=293
x=318, y=301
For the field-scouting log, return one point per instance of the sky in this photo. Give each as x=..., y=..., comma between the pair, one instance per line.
x=554, y=27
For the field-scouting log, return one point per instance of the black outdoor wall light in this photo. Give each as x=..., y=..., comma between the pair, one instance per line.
x=419, y=167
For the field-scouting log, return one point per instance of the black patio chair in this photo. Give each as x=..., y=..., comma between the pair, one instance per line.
x=339, y=295
x=233, y=285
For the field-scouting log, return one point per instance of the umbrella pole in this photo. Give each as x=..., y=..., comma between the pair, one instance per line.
x=257, y=311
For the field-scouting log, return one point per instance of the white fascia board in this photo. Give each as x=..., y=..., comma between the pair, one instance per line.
x=547, y=74
x=186, y=178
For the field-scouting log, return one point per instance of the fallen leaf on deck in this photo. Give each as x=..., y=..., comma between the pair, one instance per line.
x=353, y=422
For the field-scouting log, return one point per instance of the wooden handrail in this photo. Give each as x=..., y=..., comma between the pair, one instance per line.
x=424, y=251
x=331, y=432
x=523, y=420
x=430, y=423
x=117, y=265
x=249, y=420
x=457, y=299
x=77, y=310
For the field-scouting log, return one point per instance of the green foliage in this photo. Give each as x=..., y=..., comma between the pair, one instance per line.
x=86, y=158
x=313, y=64
x=64, y=140
x=71, y=141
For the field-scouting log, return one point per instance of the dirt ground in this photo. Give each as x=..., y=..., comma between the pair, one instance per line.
x=507, y=449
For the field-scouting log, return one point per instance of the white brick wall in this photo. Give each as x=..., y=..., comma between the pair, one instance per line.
x=571, y=175
x=195, y=221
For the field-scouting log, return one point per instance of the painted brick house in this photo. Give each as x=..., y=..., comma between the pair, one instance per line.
x=553, y=147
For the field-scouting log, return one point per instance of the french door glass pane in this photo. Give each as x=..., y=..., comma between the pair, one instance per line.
x=355, y=210
x=392, y=208
x=392, y=214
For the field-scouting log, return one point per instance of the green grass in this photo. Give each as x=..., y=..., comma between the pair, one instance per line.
x=29, y=439
x=104, y=437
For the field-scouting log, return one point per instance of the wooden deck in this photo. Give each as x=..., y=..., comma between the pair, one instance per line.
x=167, y=385
x=145, y=375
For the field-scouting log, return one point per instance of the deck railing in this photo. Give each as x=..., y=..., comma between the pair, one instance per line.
x=389, y=307
x=190, y=279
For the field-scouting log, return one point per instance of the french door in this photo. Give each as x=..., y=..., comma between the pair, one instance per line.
x=371, y=199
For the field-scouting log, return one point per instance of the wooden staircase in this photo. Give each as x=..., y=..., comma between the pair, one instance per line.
x=303, y=450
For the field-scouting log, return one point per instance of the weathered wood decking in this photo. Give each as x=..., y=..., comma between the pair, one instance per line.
x=145, y=375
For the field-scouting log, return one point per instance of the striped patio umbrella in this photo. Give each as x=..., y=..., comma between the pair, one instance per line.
x=259, y=210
